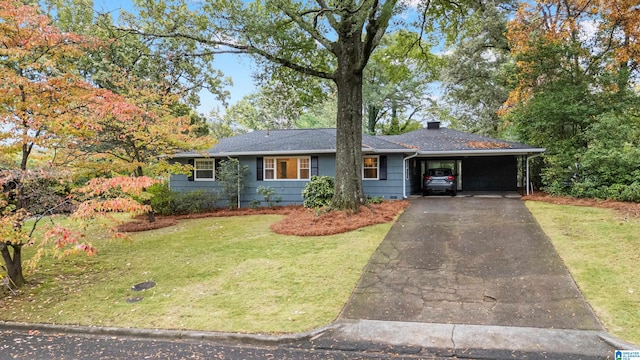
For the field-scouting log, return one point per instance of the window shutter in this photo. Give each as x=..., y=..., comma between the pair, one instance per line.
x=216, y=166
x=193, y=169
x=382, y=175
x=259, y=168
x=314, y=165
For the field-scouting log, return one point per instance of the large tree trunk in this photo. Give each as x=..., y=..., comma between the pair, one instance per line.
x=348, y=193
x=13, y=264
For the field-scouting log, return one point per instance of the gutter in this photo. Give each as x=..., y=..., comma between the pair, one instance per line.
x=281, y=152
x=529, y=157
x=404, y=176
x=480, y=152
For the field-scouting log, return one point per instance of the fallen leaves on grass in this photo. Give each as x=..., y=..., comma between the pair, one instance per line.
x=309, y=222
x=627, y=208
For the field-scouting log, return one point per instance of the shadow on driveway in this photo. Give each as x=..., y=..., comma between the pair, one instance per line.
x=480, y=261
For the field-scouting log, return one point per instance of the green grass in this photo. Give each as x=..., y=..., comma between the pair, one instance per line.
x=601, y=249
x=221, y=274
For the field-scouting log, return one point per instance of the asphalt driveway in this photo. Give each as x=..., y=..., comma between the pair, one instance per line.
x=479, y=261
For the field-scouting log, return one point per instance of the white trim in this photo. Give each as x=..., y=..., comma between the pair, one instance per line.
x=275, y=165
x=404, y=178
x=377, y=157
x=195, y=169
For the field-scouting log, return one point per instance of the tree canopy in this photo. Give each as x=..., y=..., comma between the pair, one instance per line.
x=326, y=40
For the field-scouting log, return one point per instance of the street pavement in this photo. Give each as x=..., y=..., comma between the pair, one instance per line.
x=461, y=278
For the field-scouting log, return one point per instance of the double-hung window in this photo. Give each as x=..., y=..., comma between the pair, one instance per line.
x=287, y=168
x=370, y=167
x=204, y=170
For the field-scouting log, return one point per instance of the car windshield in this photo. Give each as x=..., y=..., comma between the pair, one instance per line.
x=440, y=172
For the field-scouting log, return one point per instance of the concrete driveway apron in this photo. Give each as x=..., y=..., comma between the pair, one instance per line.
x=481, y=261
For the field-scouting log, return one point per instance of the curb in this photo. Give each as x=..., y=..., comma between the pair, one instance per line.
x=362, y=336
x=221, y=337
x=616, y=343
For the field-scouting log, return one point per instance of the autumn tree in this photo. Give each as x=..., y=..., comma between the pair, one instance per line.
x=328, y=40
x=150, y=114
x=576, y=63
x=49, y=106
x=42, y=106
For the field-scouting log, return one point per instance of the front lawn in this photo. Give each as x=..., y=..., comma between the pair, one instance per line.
x=220, y=273
x=601, y=249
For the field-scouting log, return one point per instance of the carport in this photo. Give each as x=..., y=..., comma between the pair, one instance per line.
x=481, y=163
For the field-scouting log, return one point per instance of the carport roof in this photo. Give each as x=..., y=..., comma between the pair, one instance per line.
x=426, y=142
x=448, y=142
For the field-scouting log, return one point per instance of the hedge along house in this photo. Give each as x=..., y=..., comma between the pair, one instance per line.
x=392, y=166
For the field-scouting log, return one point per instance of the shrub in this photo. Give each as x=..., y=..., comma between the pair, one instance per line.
x=167, y=202
x=267, y=193
x=161, y=198
x=195, y=202
x=622, y=192
x=375, y=200
x=318, y=192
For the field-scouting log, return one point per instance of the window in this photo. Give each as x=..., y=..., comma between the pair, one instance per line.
x=204, y=169
x=370, y=168
x=286, y=168
x=304, y=168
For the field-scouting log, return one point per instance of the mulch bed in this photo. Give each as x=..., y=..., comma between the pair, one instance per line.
x=298, y=220
x=309, y=222
x=627, y=208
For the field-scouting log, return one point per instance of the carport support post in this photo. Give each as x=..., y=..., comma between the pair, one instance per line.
x=404, y=176
x=528, y=183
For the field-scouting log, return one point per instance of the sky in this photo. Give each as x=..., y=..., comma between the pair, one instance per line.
x=237, y=67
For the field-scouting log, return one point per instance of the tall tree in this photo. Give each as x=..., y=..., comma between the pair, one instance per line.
x=328, y=40
x=476, y=70
x=396, y=83
x=576, y=60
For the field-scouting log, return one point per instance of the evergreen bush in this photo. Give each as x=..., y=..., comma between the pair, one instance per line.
x=318, y=192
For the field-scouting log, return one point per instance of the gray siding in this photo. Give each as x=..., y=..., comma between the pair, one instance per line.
x=290, y=191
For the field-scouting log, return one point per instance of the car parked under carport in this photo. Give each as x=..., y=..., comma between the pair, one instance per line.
x=479, y=163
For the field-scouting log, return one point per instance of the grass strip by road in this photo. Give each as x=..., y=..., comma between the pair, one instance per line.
x=601, y=249
x=220, y=274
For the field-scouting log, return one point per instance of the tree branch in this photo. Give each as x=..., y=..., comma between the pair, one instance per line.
x=240, y=48
x=375, y=29
x=305, y=26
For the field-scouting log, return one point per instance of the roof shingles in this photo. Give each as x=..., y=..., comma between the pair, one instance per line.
x=305, y=141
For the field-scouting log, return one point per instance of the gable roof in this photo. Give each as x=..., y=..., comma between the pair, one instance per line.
x=430, y=142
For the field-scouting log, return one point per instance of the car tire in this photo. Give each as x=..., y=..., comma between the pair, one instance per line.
x=453, y=192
